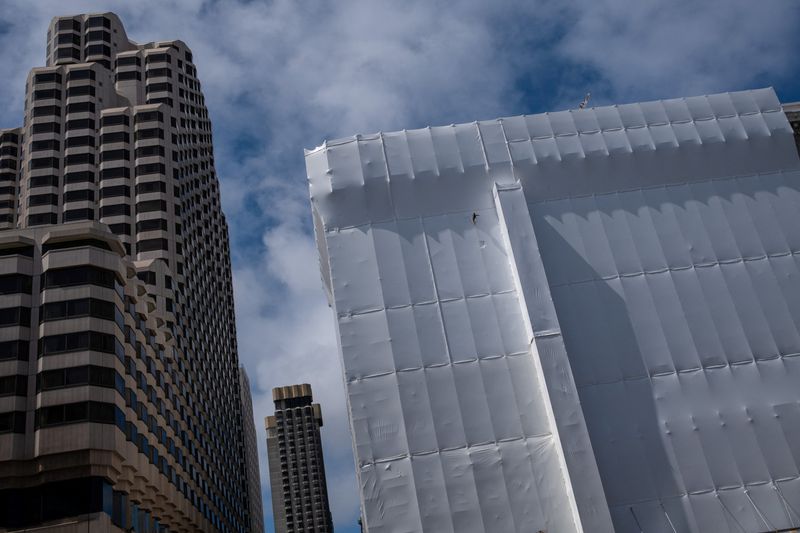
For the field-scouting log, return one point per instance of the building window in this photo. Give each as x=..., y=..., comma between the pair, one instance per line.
x=115, y=210
x=42, y=219
x=80, y=275
x=15, y=284
x=42, y=199
x=115, y=120
x=74, y=215
x=80, y=341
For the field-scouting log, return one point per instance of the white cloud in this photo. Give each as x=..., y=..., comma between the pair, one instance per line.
x=280, y=75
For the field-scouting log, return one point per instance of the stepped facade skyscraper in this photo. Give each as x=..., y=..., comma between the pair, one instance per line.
x=119, y=378
x=296, y=466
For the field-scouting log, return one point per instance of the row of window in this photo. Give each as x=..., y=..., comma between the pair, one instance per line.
x=71, y=413
x=76, y=376
x=81, y=341
x=15, y=385
x=16, y=284
x=12, y=422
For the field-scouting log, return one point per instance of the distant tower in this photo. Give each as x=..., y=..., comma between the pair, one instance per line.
x=255, y=510
x=296, y=467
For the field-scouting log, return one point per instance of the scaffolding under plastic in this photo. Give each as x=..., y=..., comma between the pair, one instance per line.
x=577, y=321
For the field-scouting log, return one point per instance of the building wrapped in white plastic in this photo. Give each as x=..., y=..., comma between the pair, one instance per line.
x=586, y=320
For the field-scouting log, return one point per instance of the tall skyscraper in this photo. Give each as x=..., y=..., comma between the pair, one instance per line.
x=296, y=467
x=585, y=320
x=251, y=455
x=121, y=400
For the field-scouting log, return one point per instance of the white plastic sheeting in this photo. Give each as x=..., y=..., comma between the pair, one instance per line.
x=608, y=346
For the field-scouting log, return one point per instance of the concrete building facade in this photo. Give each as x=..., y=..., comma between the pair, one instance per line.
x=121, y=407
x=575, y=321
x=296, y=466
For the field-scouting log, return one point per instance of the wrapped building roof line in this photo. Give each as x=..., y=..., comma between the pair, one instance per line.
x=579, y=326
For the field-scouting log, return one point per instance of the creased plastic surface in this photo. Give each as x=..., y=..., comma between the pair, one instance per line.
x=625, y=351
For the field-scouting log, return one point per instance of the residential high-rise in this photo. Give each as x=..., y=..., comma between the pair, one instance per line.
x=256, y=511
x=121, y=404
x=296, y=467
x=586, y=320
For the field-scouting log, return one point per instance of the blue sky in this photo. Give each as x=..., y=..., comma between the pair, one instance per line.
x=283, y=75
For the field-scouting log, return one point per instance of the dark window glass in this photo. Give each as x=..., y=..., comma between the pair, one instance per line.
x=115, y=210
x=128, y=61
x=46, y=111
x=68, y=24
x=80, y=124
x=158, y=87
x=8, y=190
x=152, y=245
x=27, y=251
x=48, y=144
x=163, y=100
x=7, y=176
x=9, y=137
x=47, y=94
x=98, y=50
x=78, y=308
x=78, y=341
x=47, y=77
x=10, y=164
x=80, y=140
x=150, y=151
x=157, y=73
x=151, y=186
x=98, y=22
x=81, y=90
x=44, y=162
x=150, y=168
x=116, y=172
x=151, y=205
x=79, y=196
x=79, y=159
x=147, y=116
x=42, y=199
x=16, y=385
x=116, y=190
x=115, y=120
x=129, y=75
x=151, y=225
x=62, y=245
x=150, y=133
x=86, y=176
x=43, y=181
x=68, y=38
x=120, y=229
x=15, y=316
x=13, y=422
x=42, y=219
x=98, y=36
x=81, y=275
x=15, y=284
x=8, y=150
x=46, y=127
x=73, y=215
x=158, y=58
x=115, y=137
x=14, y=350
x=82, y=74
x=68, y=53
x=115, y=155
x=81, y=107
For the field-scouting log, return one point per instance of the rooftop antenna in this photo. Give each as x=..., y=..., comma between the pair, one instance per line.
x=585, y=100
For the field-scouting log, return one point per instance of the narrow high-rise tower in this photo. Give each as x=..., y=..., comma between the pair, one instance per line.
x=251, y=451
x=296, y=468
x=119, y=372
